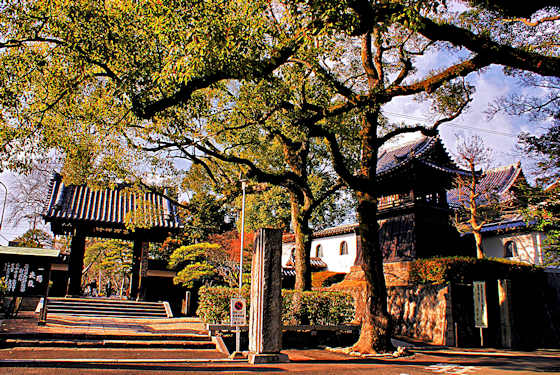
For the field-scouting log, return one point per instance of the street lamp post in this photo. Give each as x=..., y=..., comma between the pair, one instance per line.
x=243, y=186
x=238, y=329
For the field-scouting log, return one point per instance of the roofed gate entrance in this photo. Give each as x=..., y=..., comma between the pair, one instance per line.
x=109, y=213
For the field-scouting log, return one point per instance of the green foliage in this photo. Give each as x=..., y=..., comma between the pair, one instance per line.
x=214, y=302
x=34, y=238
x=3, y=287
x=543, y=201
x=268, y=209
x=196, y=263
x=112, y=259
x=204, y=217
x=466, y=269
x=322, y=308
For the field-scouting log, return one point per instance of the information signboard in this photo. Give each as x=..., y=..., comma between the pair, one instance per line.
x=238, y=312
x=24, y=279
x=480, y=307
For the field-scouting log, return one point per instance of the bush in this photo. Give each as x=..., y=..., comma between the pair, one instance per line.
x=466, y=269
x=320, y=308
x=213, y=302
x=3, y=286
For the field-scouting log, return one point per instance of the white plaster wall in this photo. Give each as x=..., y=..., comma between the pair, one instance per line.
x=286, y=252
x=331, y=252
x=528, y=246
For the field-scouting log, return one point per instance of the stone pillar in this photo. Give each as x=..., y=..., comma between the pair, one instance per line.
x=75, y=264
x=506, y=316
x=137, y=251
x=265, y=325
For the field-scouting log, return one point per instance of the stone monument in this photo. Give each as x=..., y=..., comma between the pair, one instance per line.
x=265, y=324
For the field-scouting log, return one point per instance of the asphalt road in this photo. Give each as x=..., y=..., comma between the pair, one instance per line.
x=162, y=361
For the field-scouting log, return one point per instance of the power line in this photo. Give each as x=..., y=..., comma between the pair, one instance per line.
x=425, y=120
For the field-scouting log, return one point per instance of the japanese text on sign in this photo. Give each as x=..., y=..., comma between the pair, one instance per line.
x=24, y=278
x=238, y=312
x=480, y=307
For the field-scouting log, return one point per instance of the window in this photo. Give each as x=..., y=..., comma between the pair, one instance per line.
x=510, y=249
x=319, y=251
x=293, y=255
x=343, y=248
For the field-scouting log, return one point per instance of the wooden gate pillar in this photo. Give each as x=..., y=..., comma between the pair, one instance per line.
x=76, y=263
x=139, y=267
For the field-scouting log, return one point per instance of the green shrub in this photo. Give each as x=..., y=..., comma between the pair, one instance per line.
x=466, y=269
x=3, y=287
x=214, y=301
x=323, y=308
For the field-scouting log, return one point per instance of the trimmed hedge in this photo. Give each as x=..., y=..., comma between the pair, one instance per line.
x=466, y=269
x=324, y=308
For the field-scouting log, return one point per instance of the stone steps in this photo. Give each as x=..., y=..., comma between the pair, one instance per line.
x=92, y=343
x=107, y=307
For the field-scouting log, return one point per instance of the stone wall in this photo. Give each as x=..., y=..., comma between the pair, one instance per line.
x=435, y=313
x=422, y=312
x=397, y=273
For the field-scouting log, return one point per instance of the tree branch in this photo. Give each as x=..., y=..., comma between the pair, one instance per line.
x=427, y=131
x=495, y=53
x=533, y=23
x=259, y=68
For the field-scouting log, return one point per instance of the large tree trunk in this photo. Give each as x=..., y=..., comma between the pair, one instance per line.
x=478, y=242
x=303, y=237
x=473, y=208
x=375, y=334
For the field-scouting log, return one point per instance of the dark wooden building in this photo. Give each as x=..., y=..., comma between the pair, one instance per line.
x=413, y=210
x=121, y=213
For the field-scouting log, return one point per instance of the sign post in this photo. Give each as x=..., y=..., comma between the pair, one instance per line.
x=238, y=317
x=480, y=307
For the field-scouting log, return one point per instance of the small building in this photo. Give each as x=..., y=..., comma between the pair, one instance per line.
x=120, y=213
x=509, y=235
x=513, y=239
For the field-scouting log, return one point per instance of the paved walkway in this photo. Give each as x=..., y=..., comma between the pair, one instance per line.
x=60, y=361
x=26, y=322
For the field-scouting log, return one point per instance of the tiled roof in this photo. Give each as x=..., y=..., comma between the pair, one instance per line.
x=335, y=231
x=495, y=182
x=106, y=207
x=316, y=264
x=389, y=159
x=329, y=232
x=288, y=238
x=505, y=226
x=422, y=149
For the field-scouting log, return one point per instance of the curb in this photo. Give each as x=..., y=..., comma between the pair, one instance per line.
x=119, y=360
x=484, y=354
